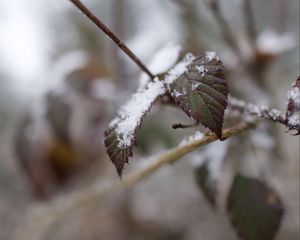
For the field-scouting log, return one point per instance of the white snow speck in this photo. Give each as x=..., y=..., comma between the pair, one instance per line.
x=176, y=93
x=294, y=95
x=210, y=56
x=196, y=85
x=294, y=119
x=130, y=115
x=201, y=69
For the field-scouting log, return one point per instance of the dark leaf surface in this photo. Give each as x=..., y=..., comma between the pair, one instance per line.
x=255, y=209
x=201, y=91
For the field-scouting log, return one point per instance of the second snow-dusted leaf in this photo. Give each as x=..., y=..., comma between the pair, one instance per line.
x=120, y=136
x=254, y=208
x=201, y=91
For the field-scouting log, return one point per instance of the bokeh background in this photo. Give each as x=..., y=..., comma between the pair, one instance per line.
x=62, y=81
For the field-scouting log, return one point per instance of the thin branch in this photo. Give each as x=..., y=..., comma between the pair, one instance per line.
x=228, y=35
x=250, y=24
x=92, y=197
x=111, y=35
x=261, y=111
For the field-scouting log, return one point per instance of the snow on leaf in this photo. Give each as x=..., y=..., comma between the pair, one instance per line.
x=255, y=209
x=204, y=90
x=293, y=106
x=120, y=137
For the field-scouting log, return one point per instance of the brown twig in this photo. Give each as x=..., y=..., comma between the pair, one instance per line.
x=111, y=35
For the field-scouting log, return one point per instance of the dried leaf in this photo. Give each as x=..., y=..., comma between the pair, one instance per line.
x=121, y=135
x=255, y=209
x=201, y=91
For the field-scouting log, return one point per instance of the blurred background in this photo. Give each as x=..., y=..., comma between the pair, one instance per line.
x=62, y=81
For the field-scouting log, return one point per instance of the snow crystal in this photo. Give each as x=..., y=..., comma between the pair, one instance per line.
x=294, y=119
x=210, y=56
x=201, y=69
x=275, y=114
x=294, y=95
x=196, y=85
x=272, y=42
x=162, y=61
x=176, y=93
x=130, y=115
x=196, y=136
x=179, y=69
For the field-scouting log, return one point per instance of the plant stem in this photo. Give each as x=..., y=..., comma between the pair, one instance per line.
x=92, y=196
x=111, y=35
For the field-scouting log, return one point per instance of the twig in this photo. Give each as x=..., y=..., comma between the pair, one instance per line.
x=214, y=5
x=250, y=24
x=93, y=197
x=112, y=36
x=261, y=111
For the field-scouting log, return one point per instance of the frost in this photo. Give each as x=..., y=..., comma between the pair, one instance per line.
x=201, y=69
x=176, y=93
x=130, y=115
x=196, y=136
x=294, y=95
x=272, y=42
x=210, y=56
x=294, y=119
x=275, y=114
x=196, y=85
x=179, y=69
x=162, y=61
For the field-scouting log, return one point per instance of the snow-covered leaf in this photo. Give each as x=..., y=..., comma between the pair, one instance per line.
x=293, y=106
x=120, y=136
x=255, y=209
x=200, y=89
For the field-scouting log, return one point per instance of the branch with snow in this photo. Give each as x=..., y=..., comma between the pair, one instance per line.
x=264, y=112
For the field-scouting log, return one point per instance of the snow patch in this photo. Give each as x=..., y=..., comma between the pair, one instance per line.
x=130, y=115
x=210, y=56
